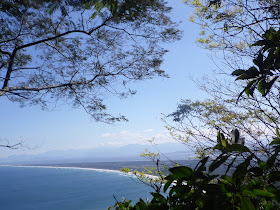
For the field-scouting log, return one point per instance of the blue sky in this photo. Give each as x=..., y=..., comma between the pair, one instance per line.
x=67, y=128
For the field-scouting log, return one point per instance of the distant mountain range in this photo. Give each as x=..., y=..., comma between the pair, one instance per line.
x=129, y=152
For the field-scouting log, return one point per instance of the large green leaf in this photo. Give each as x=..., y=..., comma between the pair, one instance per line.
x=277, y=132
x=247, y=192
x=237, y=148
x=140, y=204
x=230, y=165
x=158, y=197
x=257, y=171
x=218, y=162
x=251, y=86
x=201, y=165
x=224, y=143
x=167, y=184
x=246, y=204
x=260, y=43
x=276, y=141
x=238, y=72
x=249, y=89
x=259, y=60
x=251, y=73
x=181, y=172
x=170, y=177
x=274, y=176
x=220, y=137
x=262, y=86
x=241, y=169
x=263, y=193
x=271, y=160
x=269, y=85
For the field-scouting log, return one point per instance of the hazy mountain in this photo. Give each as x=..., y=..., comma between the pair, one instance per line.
x=102, y=154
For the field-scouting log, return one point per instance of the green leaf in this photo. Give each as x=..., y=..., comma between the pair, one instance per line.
x=251, y=73
x=276, y=141
x=224, y=143
x=277, y=132
x=218, y=162
x=98, y=6
x=201, y=165
x=140, y=204
x=259, y=43
x=212, y=188
x=274, y=176
x=94, y=15
x=247, y=192
x=259, y=60
x=238, y=72
x=269, y=85
x=181, y=172
x=271, y=160
x=170, y=177
x=158, y=197
x=220, y=137
x=227, y=178
x=256, y=170
x=230, y=165
x=246, y=204
x=241, y=169
x=261, y=164
x=249, y=89
x=263, y=193
x=237, y=148
x=167, y=184
x=262, y=86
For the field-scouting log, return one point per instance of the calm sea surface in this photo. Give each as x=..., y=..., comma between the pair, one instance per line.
x=28, y=188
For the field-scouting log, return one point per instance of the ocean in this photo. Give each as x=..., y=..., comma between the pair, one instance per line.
x=46, y=188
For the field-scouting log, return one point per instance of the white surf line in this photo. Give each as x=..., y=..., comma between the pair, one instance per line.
x=65, y=167
x=81, y=168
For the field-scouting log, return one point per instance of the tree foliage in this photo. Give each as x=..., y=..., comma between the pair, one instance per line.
x=195, y=124
x=227, y=23
x=248, y=182
x=267, y=65
x=80, y=52
x=233, y=25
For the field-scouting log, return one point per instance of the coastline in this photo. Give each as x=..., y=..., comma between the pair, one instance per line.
x=130, y=174
x=64, y=167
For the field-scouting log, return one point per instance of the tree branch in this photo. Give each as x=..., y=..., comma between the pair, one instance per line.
x=63, y=34
x=9, y=40
x=12, y=55
x=5, y=52
x=54, y=47
x=14, y=146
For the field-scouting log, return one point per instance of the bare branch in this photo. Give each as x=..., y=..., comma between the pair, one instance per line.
x=11, y=146
x=5, y=52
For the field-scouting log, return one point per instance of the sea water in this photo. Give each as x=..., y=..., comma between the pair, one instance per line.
x=47, y=188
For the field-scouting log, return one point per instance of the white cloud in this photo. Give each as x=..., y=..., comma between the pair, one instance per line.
x=148, y=130
x=139, y=137
x=107, y=135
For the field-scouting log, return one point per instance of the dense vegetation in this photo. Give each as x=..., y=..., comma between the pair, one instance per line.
x=251, y=179
x=253, y=184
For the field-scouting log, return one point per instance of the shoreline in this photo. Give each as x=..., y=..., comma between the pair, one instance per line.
x=81, y=168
